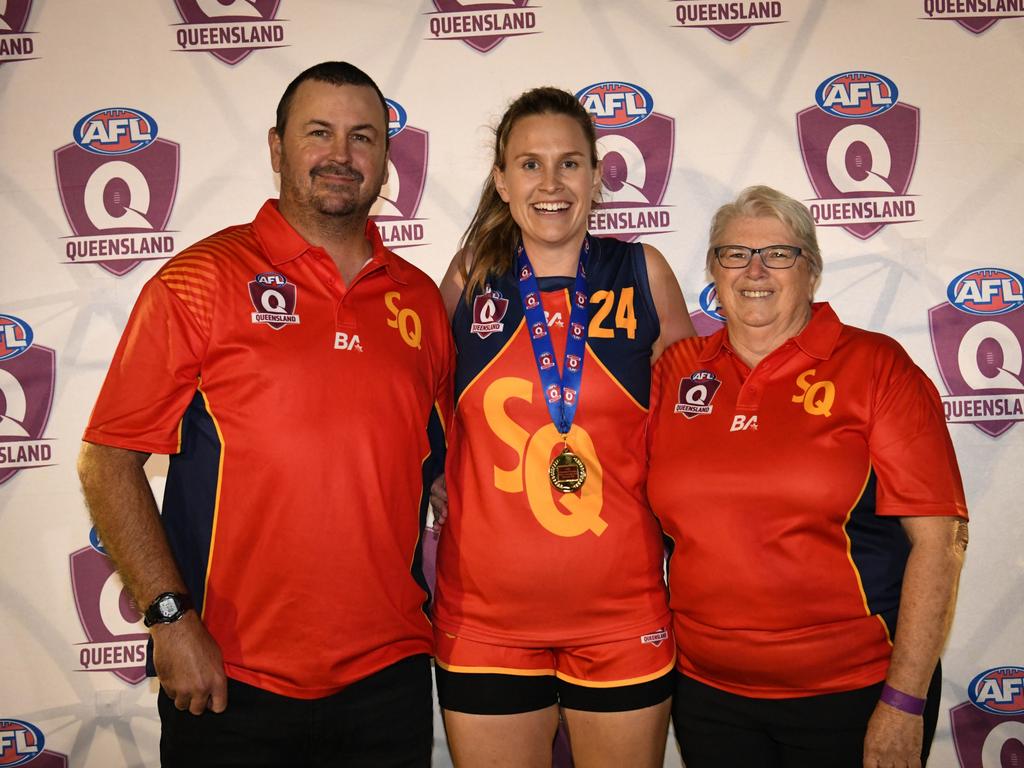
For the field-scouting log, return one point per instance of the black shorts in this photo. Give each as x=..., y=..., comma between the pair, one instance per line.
x=497, y=694
x=385, y=719
x=716, y=729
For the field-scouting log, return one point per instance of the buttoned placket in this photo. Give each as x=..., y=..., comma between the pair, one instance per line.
x=757, y=379
x=327, y=271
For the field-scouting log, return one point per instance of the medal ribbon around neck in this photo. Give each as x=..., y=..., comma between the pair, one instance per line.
x=561, y=393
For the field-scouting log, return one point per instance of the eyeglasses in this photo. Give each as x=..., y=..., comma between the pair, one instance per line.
x=772, y=256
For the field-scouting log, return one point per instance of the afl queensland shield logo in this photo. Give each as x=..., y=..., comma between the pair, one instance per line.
x=696, y=393
x=489, y=310
x=860, y=153
x=395, y=209
x=238, y=20
x=274, y=300
x=117, y=184
x=980, y=361
x=108, y=616
x=637, y=146
x=27, y=378
x=984, y=739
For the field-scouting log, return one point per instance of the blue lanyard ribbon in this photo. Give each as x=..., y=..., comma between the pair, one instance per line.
x=561, y=393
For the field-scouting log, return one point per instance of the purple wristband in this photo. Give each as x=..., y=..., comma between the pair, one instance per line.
x=904, y=702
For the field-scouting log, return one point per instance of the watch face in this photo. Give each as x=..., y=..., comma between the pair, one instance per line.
x=168, y=607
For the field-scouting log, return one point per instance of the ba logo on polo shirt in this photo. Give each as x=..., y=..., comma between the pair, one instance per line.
x=696, y=393
x=274, y=300
x=489, y=310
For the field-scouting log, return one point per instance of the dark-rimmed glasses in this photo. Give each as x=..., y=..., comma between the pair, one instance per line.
x=772, y=256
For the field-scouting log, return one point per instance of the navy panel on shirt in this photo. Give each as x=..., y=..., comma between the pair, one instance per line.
x=879, y=548
x=613, y=266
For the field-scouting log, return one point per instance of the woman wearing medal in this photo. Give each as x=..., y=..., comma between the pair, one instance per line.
x=550, y=590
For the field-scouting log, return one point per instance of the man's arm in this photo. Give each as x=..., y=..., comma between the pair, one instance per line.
x=927, y=601
x=117, y=492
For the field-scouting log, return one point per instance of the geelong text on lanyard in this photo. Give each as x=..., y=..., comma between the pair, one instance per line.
x=562, y=393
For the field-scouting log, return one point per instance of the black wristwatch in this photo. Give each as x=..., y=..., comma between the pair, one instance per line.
x=166, y=609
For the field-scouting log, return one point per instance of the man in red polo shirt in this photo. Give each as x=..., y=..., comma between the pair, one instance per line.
x=299, y=375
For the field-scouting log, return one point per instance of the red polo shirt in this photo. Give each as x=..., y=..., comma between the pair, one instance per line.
x=781, y=488
x=303, y=419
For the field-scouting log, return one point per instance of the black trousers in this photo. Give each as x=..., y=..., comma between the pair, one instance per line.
x=384, y=720
x=716, y=729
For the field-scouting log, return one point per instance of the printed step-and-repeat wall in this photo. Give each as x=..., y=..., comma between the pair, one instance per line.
x=132, y=129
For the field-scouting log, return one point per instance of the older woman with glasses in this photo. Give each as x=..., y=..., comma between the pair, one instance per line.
x=804, y=472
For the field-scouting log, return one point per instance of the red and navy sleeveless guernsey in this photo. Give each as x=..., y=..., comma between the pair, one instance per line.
x=519, y=562
x=782, y=488
x=304, y=419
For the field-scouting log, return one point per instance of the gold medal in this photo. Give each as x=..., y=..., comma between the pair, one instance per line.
x=567, y=471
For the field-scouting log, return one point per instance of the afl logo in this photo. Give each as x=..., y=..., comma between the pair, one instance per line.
x=15, y=338
x=999, y=691
x=115, y=131
x=856, y=95
x=709, y=302
x=396, y=118
x=986, y=291
x=20, y=742
x=616, y=105
x=271, y=278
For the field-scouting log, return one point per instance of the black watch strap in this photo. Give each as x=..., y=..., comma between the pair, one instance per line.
x=166, y=608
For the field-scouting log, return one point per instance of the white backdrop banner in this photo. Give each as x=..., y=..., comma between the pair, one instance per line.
x=134, y=129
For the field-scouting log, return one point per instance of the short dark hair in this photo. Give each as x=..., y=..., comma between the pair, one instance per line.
x=335, y=73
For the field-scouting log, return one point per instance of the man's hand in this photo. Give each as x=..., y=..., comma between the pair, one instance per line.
x=893, y=739
x=439, y=501
x=189, y=664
